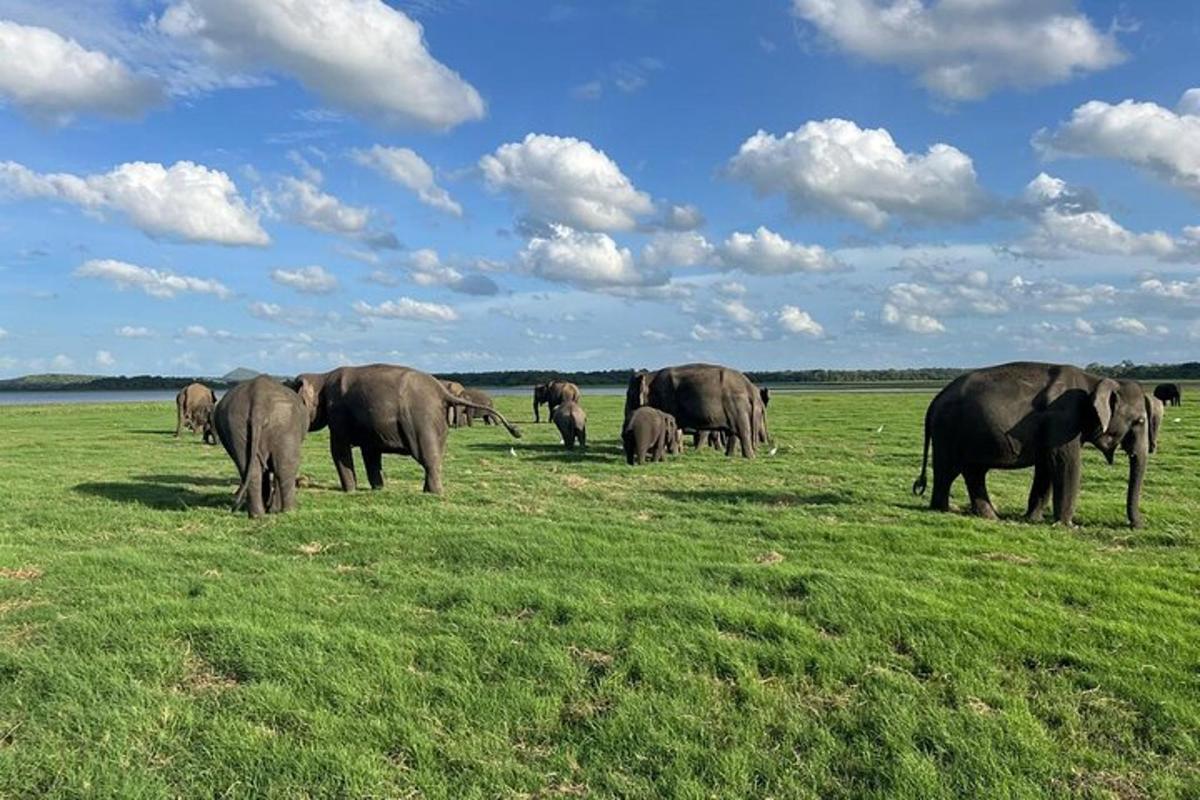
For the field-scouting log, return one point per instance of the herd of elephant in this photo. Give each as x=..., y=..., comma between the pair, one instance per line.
x=1010, y=416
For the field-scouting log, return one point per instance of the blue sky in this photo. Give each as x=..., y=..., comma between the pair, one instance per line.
x=187, y=186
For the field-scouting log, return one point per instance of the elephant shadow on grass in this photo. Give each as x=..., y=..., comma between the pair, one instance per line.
x=552, y=452
x=163, y=492
x=763, y=497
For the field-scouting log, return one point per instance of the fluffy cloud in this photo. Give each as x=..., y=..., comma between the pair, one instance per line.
x=409, y=309
x=911, y=321
x=312, y=280
x=588, y=260
x=835, y=167
x=1058, y=297
x=566, y=180
x=301, y=201
x=360, y=55
x=427, y=269
x=765, y=252
x=793, y=320
x=408, y=169
x=134, y=332
x=677, y=250
x=268, y=311
x=105, y=359
x=52, y=78
x=1160, y=141
x=965, y=49
x=156, y=283
x=186, y=201
x=917, y=307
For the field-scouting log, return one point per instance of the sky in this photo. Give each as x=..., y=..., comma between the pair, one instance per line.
x=190, y=186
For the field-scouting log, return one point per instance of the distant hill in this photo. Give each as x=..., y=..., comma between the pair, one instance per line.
x=240, y=374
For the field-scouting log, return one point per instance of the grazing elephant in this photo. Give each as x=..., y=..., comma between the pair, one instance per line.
x=262, y=424
x=554, y=394
x=1169, y=393
x=456, y=416
x=193, y=409
x=486, y=410
x=1033, y=415
x=382, y=408
x=571, y=421
x=649, y=434
x=702, y=397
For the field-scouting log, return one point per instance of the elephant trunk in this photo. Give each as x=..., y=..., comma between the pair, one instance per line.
x=1137, y=473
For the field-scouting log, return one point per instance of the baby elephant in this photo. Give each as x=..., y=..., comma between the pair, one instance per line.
x=262, y=424
x=571, y=420
x=649, y=434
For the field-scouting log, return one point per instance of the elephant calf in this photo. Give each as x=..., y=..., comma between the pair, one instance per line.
x=193, y=409
x=649, y=434
x=262, y=424
x=571, y=420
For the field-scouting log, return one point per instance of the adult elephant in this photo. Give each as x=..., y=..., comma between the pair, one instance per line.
x=262, y=424
x=193, y=409
x=1033, y=415
x=1169, y=393
x=484, y=401
x=553, y=394
x=380, y=409
x=701, y=397
x=1157, y=412
x=456, y=416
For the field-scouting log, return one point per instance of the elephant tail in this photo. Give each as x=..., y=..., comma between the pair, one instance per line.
x=252, y=462
x=918, y=487
x=464, y=403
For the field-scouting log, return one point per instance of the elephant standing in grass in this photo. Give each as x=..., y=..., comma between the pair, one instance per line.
x=193, y=409
x=486, y=410
x=554, y=394
x=382, y=409
x=649, y=434
x=1169, y=393
x=571, y=420
x=456, y=416
x=702, y=397
x=1157, y=412
x=1033, y=415
x=262, y=424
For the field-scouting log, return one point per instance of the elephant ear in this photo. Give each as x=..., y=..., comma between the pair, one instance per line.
x=1104, y=401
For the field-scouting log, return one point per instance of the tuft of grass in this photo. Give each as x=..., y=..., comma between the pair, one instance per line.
x=563, y=625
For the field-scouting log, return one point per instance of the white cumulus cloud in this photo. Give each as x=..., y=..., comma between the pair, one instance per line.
x=301, y=200
x=566, y=180
x=186, y=201
x=52, y=79
x=156, y=283
x=134, y=332
x=408, y=169
x=312, y=280
x=585, y=259
x=407, y=308
x=966, y=49
x=359, y=55
x=105, y=359
x=794, y=320
x=765, y=252
x=835, y=167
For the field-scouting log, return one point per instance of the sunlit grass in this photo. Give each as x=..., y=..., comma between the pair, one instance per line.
x=565, y=625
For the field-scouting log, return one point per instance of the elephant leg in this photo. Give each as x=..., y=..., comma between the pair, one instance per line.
x=981, y=504
x=1039, y=493
x=373, y=463
x=428, y=454
x=1067, y=473
x=286, y=487
x=583, y=438
x=272, y=499
x=659, y=448
x=255, y=490
x=944, y=473
x=343, y=461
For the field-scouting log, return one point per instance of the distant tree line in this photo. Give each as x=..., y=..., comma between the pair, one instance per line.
x=1189, y=371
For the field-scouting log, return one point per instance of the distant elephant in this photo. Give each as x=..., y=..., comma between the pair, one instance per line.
x=717, y=440
x=486, y=410
x=571, y=420
x=193, y=409
x=382, y=408
x=1156, y=412
x=554, y=394
x=702, y=397
x=1033, y=415
x=761, y=434
x=648, y=435
x=1169, y=393
x=455, y=415
x=262, y=424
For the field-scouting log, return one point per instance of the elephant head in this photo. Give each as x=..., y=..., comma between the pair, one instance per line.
x=638, y=393
x=310, y=387
x=1124, y=420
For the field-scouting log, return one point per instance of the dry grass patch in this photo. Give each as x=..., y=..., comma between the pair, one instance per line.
x=21, y=573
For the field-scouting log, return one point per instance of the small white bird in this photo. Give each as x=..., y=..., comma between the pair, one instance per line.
x=1178, y=419
x=773, y=450
x=879, y=429
x=512, y=451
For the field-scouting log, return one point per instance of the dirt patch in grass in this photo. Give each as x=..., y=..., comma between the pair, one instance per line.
x=20, y=573
x=199, y=676
x=574, y=481
x=1011, y=558
x=768, y=558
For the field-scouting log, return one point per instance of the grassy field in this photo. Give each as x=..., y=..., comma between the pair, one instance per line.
x=566, y=626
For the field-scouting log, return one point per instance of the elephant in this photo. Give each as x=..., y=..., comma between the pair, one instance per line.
x=455, y=415
x=484, y=400
x=716, y=439
x=382, y=408
x=193, y=409
x=761, y=434
x=1157, y=412
x=1036, y=415
x=649, y=434
x=702, y=397
x=553, y=394
x=1169, y=393
x=262, y=424
x=571, y=421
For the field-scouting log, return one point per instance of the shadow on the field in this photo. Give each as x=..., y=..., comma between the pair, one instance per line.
x=757, y=496
x=189, y=480
x=160, y=496
x=552, y=452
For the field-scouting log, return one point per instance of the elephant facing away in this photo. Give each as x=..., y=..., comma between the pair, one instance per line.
x=261, y=424
x=1169, y=393
x=702, y=397
x=571, y=421
x=380, y=409
x=1033, y=415
x=486, y=410
x=193, y=409
x=456, y=416
x=554, y=394
x=650, y=434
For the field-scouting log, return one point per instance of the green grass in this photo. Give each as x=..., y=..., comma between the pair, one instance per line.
x=563, y=625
